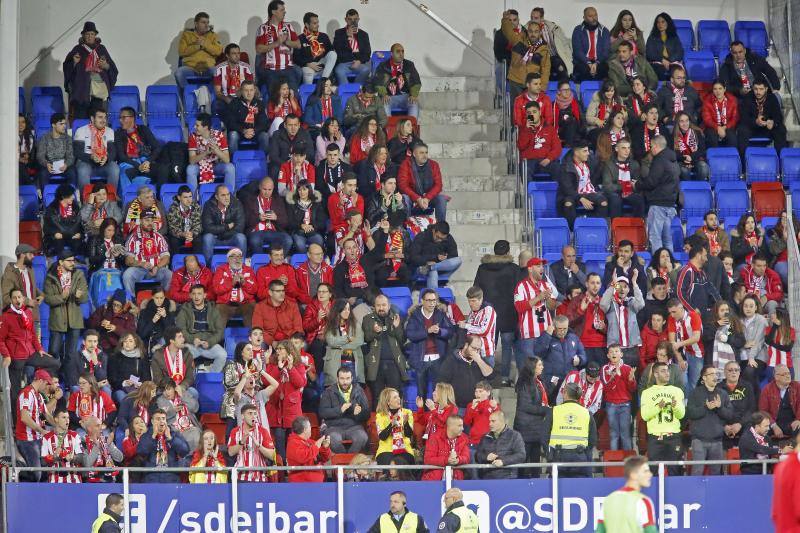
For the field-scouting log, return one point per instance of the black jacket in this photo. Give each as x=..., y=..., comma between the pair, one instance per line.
x=278, y=206
x=411, y=80
x=463, y=376
x=611, y=174
x=698, y=155
x=530, y=414
x=509, y=448
x=691, y=103
x=344, y=54
x=53, y=223
x=502, y=52
x=151, y=147
x=150, y=332
x=280, y=148
x=237, y=113
x=121, y=368
x=651, y=306
x=330, y=407
x=329, y=178
x=568, y=178
x=423, y=249
x=717, y=277
x=638, y=148
x=743, y=401
x=211, y=219
x=563, y=279
x=749, y=449
x=660, y=186
x=761, y=69
x=111, y=526
x=497, y=277
x=319, y=214
x=97, y=253
x=749, y=111
x=302, y=56
x=708, y=425
x=341, y=279
x=399, y=150
x=636, y=262
x=376, y=209
x=367, y=175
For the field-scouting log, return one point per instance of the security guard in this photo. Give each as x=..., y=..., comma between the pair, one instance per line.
x=109, y=519
x=399, y=518
x=571, y=433
x=457, y=517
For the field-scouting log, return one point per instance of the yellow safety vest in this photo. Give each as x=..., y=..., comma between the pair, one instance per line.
x=570, y=425
x=469, y=521
x=410, y=523
x=102, y=519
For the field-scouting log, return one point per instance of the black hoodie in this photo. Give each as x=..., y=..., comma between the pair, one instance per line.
x=497, y=276
x=660, y=186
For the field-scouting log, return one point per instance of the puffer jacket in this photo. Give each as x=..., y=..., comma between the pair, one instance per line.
x=212, y=219
x=509, y=448
x=54, y=223
x=530, y=413
x=497, y=277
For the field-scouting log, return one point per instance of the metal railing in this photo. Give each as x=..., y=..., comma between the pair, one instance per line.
x=8, y=421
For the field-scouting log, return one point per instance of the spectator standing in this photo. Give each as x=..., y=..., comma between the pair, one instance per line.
x=284, y=405
x=20, y=275
x=208, y=155
x=302, y=451
x=685, y=328
x=567, y=115
x=665, y=355
x=588, y=320
x=619, y=385
x=654, y=333
x=30, y=420
x=709, y=410
x=386, y=364
x=570, y=433
x=65, y=290
x=428, y=330
x=183, y=222
x=620, y=310
x=389, y=254
x=753, y=358
x=450, y=447
x=344, y=409
x=530, y=54
x=96, y=150
x=663, y=49
x=534, y=297
x=147, y=256
x=588, y=379
x=353, y=275
x=692, y=287
x=252, y=445
x=312, y=273
x=434, y=252
x=62, y=447
x=662, y=409
x=591, y=43
x=464, y=370
x=579, y=182
x=398, y=83
x=101, y=452
x=353, y=51
x=207, y=455
x=275, y=41
x=481, y=322
x=203, y=328
x=660, y=189
x=561, y=350
x=198, y=50
x=501, y=446
x=62, y=223
x=533, y=405
x=54, y=152
x=779, y=339
x=560, y=47
x=89, y=73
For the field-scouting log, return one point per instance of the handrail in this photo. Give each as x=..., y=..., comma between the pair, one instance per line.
x=11, y=447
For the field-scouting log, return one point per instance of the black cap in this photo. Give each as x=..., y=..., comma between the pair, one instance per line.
x=89, y=26
x=593, y=369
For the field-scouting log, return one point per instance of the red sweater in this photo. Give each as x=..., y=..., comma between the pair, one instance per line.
x=279, y=323
x=434, y=421
x=302, y=452
x=181, y=284
x=337, y=211
x=222, y=284
x=304, y=283
x=710, y=112
x=437, y=452
x=786, y=495
x=619, y=388
x=284, y=404
x=773, y=288
x=582, y=323
x=650, y=340
x=543, y=143
x=16, y=340
x=407, y=185
x=477, y=418
x=283, y=272
x=545, y=105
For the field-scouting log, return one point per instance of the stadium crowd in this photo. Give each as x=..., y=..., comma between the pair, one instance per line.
x=692, y=354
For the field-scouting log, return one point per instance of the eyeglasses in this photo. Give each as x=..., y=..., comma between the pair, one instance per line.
x=429, y=300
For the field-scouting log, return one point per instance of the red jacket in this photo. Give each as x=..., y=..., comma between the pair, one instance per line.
x=284, y=404
x=770, y=399
x=279, y=323
x=545, y=105
x=437, y=452
x=650, y=340
x=774, y=288
x=222, y=284
x=356, y=153
x=407, y=186
x=544, y=145
x=786, y=495
x=129, y=450
x=477, y=418
x=710, y=113
x=181, y=284
x=269, y=272
x=16, y=340
x=311, y=321
x=337, y=212
x=302, y=452
x=619, y=388
x=434, y=421
x=303, y=282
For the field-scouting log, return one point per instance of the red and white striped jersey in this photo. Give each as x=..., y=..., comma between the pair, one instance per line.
x=147, y=246
x=779, y=351
x=33, y=402
x=533, y=321
x=248, y=454
x=281, y=57
x=68, y=443
x=483, y=323
x=592, y=393
x=84, y=405
x=230, y=78
x=684, y=329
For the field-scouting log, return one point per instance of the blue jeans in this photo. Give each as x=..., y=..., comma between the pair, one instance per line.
x=226, y=169
x=619, y=425
x=699, y=172
x=782, y=268
x=343, y=69
x=659, y=226
x=234, y=137
x=427, y=372
x=210, y=241
x=134, y=275
x=256, y=240
x=110, y=171
x=69, y=349
x=400, y=101
x=510, y=351
x=437, y=204
x=181, y=73
x=293, y=75
x=216, y=353
x=448, y=266
x=328, y=62
x=301, y=241
x=31, y=451
x=693, y=373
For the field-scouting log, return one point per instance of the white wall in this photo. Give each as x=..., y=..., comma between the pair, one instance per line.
x=142, y=35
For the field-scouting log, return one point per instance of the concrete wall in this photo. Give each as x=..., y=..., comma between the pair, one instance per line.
x=142, y=35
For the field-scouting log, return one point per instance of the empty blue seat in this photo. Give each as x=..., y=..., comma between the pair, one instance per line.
x=696, y=198
x=305, y=91
x=586, y=97
x=591, y=85
x=258, y=260
x=731, y=199
x=676, y=229
x=692, y=224
x=298, y=259
x=446, y=294
x=206, y=192
x=40, y=271
x=168, y=132
x=177, y=260
x=217, y=260
x=685, y=33
x=346, y=91
x=644, y=256
x=700, y=65
x=28, y=202
x=724, y=164
x=45, y=101
x=234, y=336
x=591, y=235
x=761, y=164
x=543, y=199
x=552, y=233
x=123, y=96
x=247, y=155
x=378, y=57
x=399, y=297
x=790, y=166
x=713, y=35
x=168, y=192
x=21, y=107
x=769, y=222
x=210, y=390
x=248, y=170
x=753, y=33
x=595, y=262
x=162, y=104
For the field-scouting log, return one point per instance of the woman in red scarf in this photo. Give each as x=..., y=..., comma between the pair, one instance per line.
x=690, y=147
x=604, y=102
x=139, y=403
x=441, y=405
x=90, y=401
x=368, y=134
x=282, y=102
x=720, y=116
x=612, y=134
x=395, y=431
x=285, y=404
x=208, y=456
x=314, y=320
x=567, y=114
x=533, y=405
x=372, y=171
x=133, y=435
x=747, y=239
x=637, y=101
x=62, y=223
x=324, y=104
x=662, y=265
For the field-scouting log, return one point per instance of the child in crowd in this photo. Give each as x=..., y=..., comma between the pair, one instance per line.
x=619, y=384
x=478, y=411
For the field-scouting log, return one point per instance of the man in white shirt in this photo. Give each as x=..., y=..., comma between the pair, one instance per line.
x=95, y=151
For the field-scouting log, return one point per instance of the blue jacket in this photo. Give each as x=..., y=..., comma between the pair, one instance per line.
x=580, y=44
x=557, y=354
x=312, y=114
x=177, y=449
x=416, y=333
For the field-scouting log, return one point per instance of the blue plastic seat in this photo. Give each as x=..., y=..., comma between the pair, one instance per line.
x=210, y=390
x=258, y=260
x=305, y=91
x=168, y=132
x=249, y=155
x=45, y=101
x=685, y=33
x=693, y=223
x=176, y=260
x=769, y=222
x=731, y=199
x=700, y=65
x=446, y=294
x=131, y=191
x=378, y=57
x=346, y=91
x=761, y=164
x=591, y=85
x=40, y=271
x=21, y=106
x=123, y=96
x=298, y=259
x=248, y=170
x=753, y=33
x=28, y=203
x=713, y=35
x=553, y=233
x=586, y=97
x=790, y=166
x=49, y=194
x=168, y=192
x=696, y=198
x=795, y=190
x=591, y=235
x=234, y=336
x=206, y=192
x=400, y=297
x=676, y=229
x=543, y=199
x=162, y=104
x=217, y=260
x=724, y=164
x=595, y=262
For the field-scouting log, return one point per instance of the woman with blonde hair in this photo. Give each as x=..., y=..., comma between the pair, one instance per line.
x=395, y=430
x=207, y=455
x=285, y=404
x=441, y=406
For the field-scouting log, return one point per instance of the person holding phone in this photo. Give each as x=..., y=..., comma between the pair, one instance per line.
x=301, y=450
x=353, y=51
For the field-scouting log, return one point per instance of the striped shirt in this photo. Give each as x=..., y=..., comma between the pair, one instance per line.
x=33, y=402
x=278, y=58
x=684, y=329
x=533, y=321
x=249, y=455
x=230, y=78
x=483, y=323
x=591, y=393
x=147, y=247
x=69, y=443
x=779, y=351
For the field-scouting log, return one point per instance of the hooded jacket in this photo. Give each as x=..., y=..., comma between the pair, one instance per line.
x=497, y=277
x=319, y=213
x=660, y=186
x=538, y=59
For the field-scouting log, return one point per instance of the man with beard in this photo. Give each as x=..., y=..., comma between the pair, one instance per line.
x=676, y=95
x=190, y=274
x=762, y=116
x=234, y=286
x=591, y=44
x=385, y=362
x=718, y=239
x=20, y=275
x=588, y=320
x=65, y=290
x=203, y=327
x=148, y=256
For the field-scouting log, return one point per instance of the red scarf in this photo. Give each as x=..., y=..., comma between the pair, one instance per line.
x=358, y=278
x=175, y=366
x=397, y=80
x=252, y=111
x=327, y=107
x=64, y=278
x=616, y=136
x=91, y=64
x=761, y=441
x=647, y=137
x=591, y=55
x=143, y=413
x=624, y=174
x=380, y=170
x=713, y=240
x=182, y=420
x=722, y=111
x=352, y=40
x=638, y=104
x=65, y=211
x=747, y=237
x=88, y=356
x=398, y=438
x=99, y=147
x=585, y=185
x=543, y=392
x=687, y=141
x=313, y=41
x=677, y=99
x=100, y=212
x=264, y=205
x=622, y=318
x=395, y=244
x=134, y=143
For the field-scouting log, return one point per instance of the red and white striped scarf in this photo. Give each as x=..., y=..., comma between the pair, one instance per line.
x=252, y=111
x=585, y=185
x=27, y=323
x=175, y=366
x=352, y=40
x=398, y=438
x=368, y=142
x=397, y=80
x=64, y=278
x=358, y=278
x=621, y=309
x=144, y=413
x=395, y=244
x=639, y=103
x=182, y=419
x=65, y=211
x=92, y=60
x=687, y=141
x=677, y=99
x=721, y=109
x=327, y=107
x=648, y=138
x=624, y=177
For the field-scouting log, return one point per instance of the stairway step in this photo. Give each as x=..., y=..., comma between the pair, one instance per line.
x=461, y=132
x=476, y=250
x=484, y=216
x=455, y=181
x=458, y=101
x=481, y=200
x=456, y=83
x=472, y=116
x=477, y=233
x=473, y=166
x=459, y=149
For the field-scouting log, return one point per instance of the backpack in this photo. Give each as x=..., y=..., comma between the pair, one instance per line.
x=175, y=156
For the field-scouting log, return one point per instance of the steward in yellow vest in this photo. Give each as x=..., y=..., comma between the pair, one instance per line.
x=399, y=519
x=109, y=519
x=570, y=433
x=457, y=518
